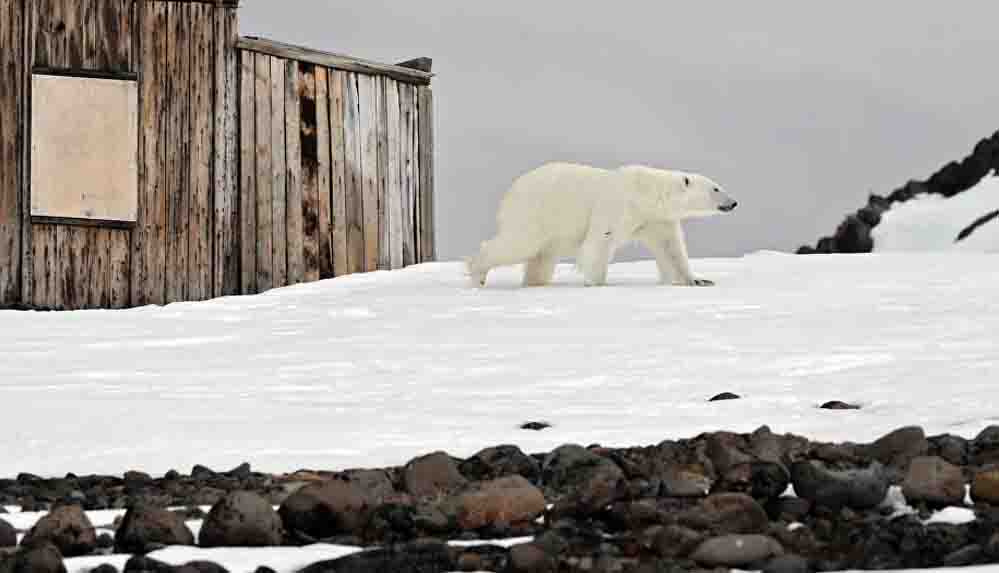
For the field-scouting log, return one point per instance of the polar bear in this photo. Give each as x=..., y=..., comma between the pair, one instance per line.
x=573, y=210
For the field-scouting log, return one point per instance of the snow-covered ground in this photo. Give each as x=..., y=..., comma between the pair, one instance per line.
x=932, y=222
x=374, y=369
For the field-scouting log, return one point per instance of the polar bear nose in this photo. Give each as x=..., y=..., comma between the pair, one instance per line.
x=728, y=207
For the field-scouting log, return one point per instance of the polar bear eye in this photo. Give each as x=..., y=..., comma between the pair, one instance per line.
x=686, y=181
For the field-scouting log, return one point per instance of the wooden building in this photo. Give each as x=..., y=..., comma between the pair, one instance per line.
x=149, y=154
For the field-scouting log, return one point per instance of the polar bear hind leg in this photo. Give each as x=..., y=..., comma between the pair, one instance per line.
x=540, y=269
x=502, y=250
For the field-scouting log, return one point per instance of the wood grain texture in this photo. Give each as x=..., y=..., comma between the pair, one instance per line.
x=406, y=172
x=353, y=175
x=381, y=127
x=428, y=225
x=45, y=274
x=10, y=105
x=279, y=174
x=216, y=196
x=265, y=178
x=324, y=159
x=309, y=153
x=248, y=175
x=119, y=269
x=367, y=100
x=178, y=168
x=338, y=176
x=293, y=181
x=417, y=197
x=394, y=191
x=229, y=251
x=201, y=130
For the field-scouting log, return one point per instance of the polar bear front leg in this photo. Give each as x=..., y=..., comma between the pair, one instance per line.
x=594, y=258
x=668, y=244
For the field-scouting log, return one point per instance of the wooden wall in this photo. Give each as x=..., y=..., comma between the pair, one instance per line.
x=11, y=74
x=331, y=175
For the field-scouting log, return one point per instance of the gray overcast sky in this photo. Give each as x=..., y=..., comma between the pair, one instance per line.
x=799, y=108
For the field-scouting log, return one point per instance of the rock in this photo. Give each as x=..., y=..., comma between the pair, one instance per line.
x=241, y=519
x=8, y=535
x=567, y=466
x=985, y=485
x=952, y=448
x=724, y=396
x=134, y=477
x=325, y=509
x=686, y=481
x=145, y=527
x=142, y=564
x=759, y=479
x=242, y=471
x=104, y=568
x=416, y=557
x=968, y=555
x=201, y=566
x=68, y=528
x=837, y=405
x=736, y=550
x=856, y=489
x=582, y=482
x=431, y=475
x=724, y=513
x=200, y=472
x=674, y=541
x=530, y=558
x=500, y=503
x=897, y=448
x=787, y=564
x=535, y=426
x=724, y=451
x=933, y=481
x=40, y=556
x=499, y=461
x=985, y=447
x=376, y=483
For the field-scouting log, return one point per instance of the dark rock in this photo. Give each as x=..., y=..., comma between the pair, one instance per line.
x=482, y=558
x=376, y=483
x=837, y=405
x=788, y=508
x=736, y=550
x=142, y=564
x=8, y=535
x=975, y=225
x=201, y=567
x=897, y=448
x=787, y=564
x=853, y=236
x=145, y=527
x=954, y=449
x=724, y=396
x=499, y=503
x=500, y=461
x=241, y=519
x=416, y=557
x=40, y=556
x=200, y=472
x=326, y=509
x=674, y=541
x=870, y=215
x=984, y=448
x=724, y=449
x=68, y=528
x=104, y=568
x=530, y=558
x=581, y=481
x=968, y=555
x=686, y=481
x=724, y=513
x=137, y=478
x=985, y=485
x=432, y=475
x=242, y=471
x=536, y=426
x=105, y=540
x=856, y=489
x=933, y=481
x=759, y=479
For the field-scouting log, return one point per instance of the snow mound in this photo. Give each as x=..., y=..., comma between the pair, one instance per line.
x=932, y=222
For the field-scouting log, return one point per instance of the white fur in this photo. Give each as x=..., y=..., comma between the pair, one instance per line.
x=570, y=210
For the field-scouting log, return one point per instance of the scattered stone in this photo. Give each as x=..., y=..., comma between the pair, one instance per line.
x=200, y=472
x=416, y=557
x=968, y=555
x=787, y=564
x=724, y=513
x=933, y=481
x=376, y=483
x=584, y=481
x=499, y=461
x=536, y=426
x=324, y=509
x=736, y=550
x=686, y=481
x=837, y=405
x=142, y=564
x=952, y=448
x=432, y=475
x=985, y=447
x=68, y=528
x=134, y=477
x=897, y=448
x=104, y=568
x=145, y=528
x=856, y=489
x=201, y=567
x=241, y=519
x=39, y=556
x=985, y=486
x=530, y=558
x=8, y=535
x=500, y=503
x=674, y=541
x=724, y=396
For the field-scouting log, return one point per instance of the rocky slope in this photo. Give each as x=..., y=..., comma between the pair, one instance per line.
x=853, y=235
x=713, y=501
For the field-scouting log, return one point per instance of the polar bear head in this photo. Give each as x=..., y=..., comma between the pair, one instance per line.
x=690, y=195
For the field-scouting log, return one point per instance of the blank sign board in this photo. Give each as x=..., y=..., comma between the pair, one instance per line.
x=84, y=148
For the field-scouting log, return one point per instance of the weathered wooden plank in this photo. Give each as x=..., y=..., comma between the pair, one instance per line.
x=248, y=175
x=265, y=178
x=43, y=274
x=118, y=268
x=230, y=236
x=324, y=162
x=381, y=128
x=10, y=227
x=406, y=171
x=139, y=245
x=338, y=173
x=200, y=217
x=177, y=157
x=38, y=33
x=293, y=160
x=367, y=99
x=394, y=191
x=123, y=46
x=73, y=265
x=98, y=290
x=89, y=33
x=331, y=60
x=220, y=207
x=428, y=248
x=353, y=174
x=73, y=22
x=164, y=147
x=28, y=45
x=309, y=150
x=417, y=198
x=279, y=173
x=57, y=34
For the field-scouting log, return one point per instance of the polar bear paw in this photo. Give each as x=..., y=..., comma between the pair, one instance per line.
x=695, y=282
